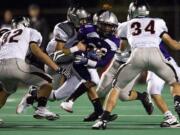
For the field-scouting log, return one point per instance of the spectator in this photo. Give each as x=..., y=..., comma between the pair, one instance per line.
x=7, y=17
x=39, y=23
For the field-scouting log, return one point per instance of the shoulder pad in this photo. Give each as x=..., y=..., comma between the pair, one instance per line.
x=67, y=27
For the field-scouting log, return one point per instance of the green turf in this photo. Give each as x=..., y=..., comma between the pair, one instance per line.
x=132, y=119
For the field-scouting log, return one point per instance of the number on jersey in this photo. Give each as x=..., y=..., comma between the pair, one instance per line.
x=11, y=36
x=138, y=30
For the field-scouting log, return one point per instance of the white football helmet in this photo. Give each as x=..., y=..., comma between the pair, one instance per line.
x=138, y=8
x=107, y=23
x=75, y=16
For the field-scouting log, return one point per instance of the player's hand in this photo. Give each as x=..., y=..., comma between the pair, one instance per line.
x=79, y=59
x=56, y=55
x=81, y=46
x=93, y=55
x=64, y=72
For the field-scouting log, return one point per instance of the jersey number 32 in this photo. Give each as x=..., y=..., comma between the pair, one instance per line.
x=11, y=36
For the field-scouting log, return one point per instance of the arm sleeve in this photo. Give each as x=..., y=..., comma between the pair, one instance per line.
x=59, y=34
x=161, y=27
x=122, y=31
x=35, y=36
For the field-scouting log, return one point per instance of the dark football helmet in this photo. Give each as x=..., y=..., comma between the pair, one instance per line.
x=20, y=22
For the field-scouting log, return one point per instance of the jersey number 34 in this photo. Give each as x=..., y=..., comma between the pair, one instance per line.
x=138, y=30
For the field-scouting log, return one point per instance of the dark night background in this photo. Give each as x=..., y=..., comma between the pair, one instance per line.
x=55, y=11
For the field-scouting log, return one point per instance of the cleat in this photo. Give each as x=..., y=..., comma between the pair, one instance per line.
x=94, y=116
x=67, y=106
x=177, y=108
x=170, y=122
x=100, y=124
x=44, y=113
x=23, y=105
x=112, y=117
x=147, y=103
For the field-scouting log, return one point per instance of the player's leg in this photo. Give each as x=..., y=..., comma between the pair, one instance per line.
x=103, y=88
x=93, y=97
x=167, y=72
x=67, y=105
x=127, y=94
x=106, y=79
x=31, y=75
x=7, y=87
x=66, y=89
x=126, y=73
x=8, y=84
x=3, y=98
x=130, y=94
x=82, y=88
x=154, y=88
x=114, y=94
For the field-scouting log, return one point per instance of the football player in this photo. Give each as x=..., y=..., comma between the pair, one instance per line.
x=144, y=34
x=65, y=37
x=13, y=50
x=154, y=88
x=106, y=45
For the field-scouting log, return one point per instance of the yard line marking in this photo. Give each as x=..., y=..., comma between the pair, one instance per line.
x=79, y=115
x=87, y=127
x=11, y=99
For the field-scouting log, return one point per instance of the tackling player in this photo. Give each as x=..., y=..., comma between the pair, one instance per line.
x=144, y=34
x=14, y=47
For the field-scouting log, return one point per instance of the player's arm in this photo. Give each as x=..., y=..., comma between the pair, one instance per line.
x=42, y=56
x=123, y=45
x=61, y=37
x=173, y=44
x=106, y=59
x=79, y=47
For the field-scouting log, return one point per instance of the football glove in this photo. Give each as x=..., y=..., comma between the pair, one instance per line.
x=93, y=55
x=79, y=59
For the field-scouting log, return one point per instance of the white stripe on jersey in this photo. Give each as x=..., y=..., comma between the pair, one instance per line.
x=111, y=44
x=93, y=34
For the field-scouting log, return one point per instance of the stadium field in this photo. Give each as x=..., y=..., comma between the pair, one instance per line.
x=132, y=119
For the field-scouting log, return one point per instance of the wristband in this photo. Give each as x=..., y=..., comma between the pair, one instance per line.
x=74, y=49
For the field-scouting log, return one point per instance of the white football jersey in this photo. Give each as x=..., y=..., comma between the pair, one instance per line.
x=122, y=56
x=15, y=43
x=143, y=32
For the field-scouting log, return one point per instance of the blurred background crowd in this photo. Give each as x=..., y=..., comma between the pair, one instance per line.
x=44, y=14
